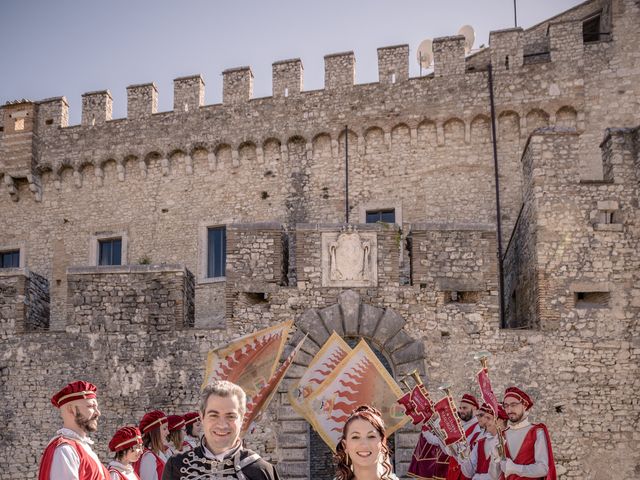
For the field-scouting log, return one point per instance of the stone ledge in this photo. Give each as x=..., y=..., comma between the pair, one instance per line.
x=126, y=269
x=256, y=226
x=434, y=226
x=333, y=227
x=14, y=272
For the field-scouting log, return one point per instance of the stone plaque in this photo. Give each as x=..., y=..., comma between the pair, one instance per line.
x=349, y=258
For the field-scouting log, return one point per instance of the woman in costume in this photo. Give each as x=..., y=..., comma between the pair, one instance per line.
x=154, y=435
x=127, y=445
x=362, y=452
x=176, y=435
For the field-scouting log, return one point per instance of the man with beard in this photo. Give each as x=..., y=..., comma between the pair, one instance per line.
x=472, y=430
x=69, y=456
x=527, y=445
x=220, y=454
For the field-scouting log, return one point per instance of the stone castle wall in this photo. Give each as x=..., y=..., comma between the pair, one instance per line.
x=272, y=171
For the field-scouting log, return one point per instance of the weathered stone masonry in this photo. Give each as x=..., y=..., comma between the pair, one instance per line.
x=271, y=170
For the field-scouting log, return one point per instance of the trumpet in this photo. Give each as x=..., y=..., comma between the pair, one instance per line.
x=483, y=357
x=461, y=447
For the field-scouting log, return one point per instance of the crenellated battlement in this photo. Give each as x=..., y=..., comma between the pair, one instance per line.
x=508, y=50
x=205, y=131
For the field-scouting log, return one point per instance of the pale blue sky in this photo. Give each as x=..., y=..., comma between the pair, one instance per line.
x=67, y=47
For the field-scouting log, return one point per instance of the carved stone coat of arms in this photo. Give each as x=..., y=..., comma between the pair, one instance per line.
x=349, y=259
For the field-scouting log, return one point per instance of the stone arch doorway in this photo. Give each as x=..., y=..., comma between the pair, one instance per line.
x=384, y=330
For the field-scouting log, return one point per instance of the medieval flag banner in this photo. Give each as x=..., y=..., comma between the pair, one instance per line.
x=334, y=350
x=449, y=423
x=360, y=378
x=261, y=400
x=249, y=361
x=487, y=392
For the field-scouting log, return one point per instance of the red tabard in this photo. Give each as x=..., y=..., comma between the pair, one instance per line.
x=159, y=463
x=483, y=460
x=526, y=455
x=454, y=472
x=120, y=474
x=89, y=468
x=428, y=462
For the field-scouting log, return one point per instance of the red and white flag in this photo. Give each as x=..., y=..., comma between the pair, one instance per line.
x=261, y=400
x=448, y=421
x=487, y=392
x=323, y=364
x=359, y=379
x=249, y=361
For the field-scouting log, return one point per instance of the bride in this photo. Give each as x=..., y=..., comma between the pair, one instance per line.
x=362, y=453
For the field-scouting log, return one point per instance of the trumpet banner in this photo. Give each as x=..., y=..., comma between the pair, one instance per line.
x=358, y=379
x=487, y=392
x=334, y=350
x=449, y=421
x=249, y=361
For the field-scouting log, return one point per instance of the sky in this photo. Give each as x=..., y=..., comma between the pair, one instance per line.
x=65, y=48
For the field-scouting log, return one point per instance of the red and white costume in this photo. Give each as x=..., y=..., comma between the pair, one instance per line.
x=527, y=445
x=118, y=471
x=151, y=465
x=477, y=465
x=123, y=440
x=68, y=456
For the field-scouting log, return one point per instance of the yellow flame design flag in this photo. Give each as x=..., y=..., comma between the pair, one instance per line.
x=249, y=361
x=261, y=401
x=334, y=350
x=358, y=379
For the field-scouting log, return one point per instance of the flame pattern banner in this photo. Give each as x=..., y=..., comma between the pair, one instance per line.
x=249, y=361
x=334, y=350
x=260, y=402
x=448, y=421
x=359, y=379
x=487, y=392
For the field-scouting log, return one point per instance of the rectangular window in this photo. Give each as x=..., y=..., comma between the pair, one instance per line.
x=592, y=299
x=110, y=251
x=591, y=29
x=216, y=251
x=386, y=216
x=10, y=259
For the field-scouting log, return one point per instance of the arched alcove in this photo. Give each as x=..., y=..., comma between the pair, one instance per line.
x=352, y=319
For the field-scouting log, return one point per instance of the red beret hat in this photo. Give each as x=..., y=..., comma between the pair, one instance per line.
x=470, y=399
x=152, y=420
x=176, y=422
x=518, y=394
x=124, y=438
x=191, y=417
x=487, y=409
x=74, y=391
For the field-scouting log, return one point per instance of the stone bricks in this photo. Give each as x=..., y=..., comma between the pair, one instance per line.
x=97, y=107
x=271, y=170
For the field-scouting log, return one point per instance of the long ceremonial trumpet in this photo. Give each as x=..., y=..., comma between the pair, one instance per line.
x=461, y=448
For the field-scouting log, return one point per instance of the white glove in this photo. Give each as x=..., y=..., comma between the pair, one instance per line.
x=509, y=468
